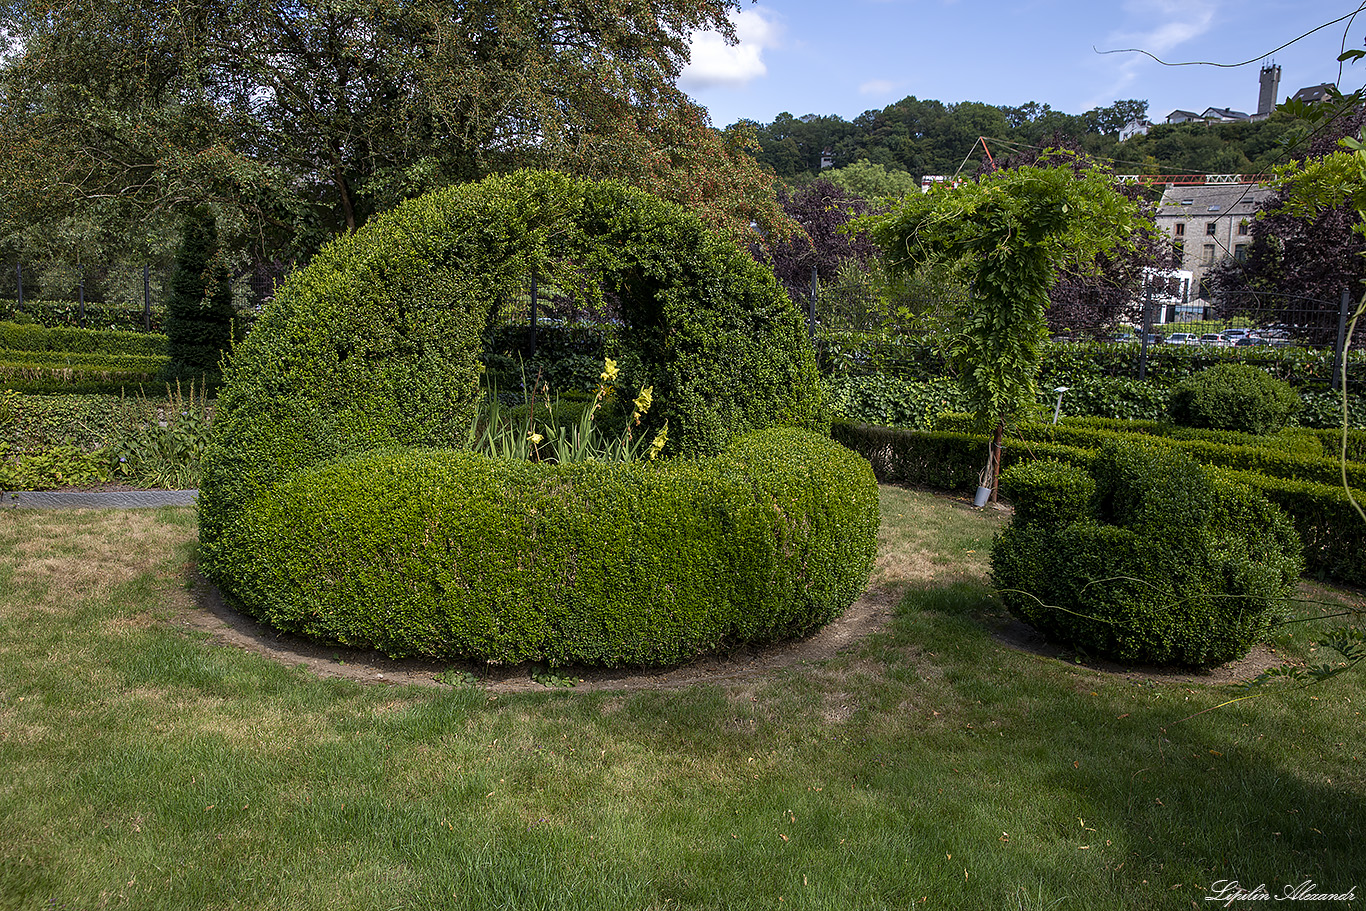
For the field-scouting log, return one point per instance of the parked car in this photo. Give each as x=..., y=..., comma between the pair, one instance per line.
x=1183, y=338
x=1212, y=339
x=1230, y=336
x=1249, y=341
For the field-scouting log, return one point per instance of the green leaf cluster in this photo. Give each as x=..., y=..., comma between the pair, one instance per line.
x=1008, y=235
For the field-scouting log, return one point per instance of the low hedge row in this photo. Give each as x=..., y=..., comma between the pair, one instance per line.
x=37, y=378
x=30, y=337
x=98, y=360
x=917, y=358
x=942, y=460
x=1333, y=534
x=1295, y=455
x=67, y=314
x=445, y=553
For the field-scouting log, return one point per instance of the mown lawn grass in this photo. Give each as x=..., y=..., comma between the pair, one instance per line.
x=143, y=766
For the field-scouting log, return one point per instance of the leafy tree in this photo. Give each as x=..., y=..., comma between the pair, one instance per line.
x=1009, y=234
x=821, y=209
x=295, y=119
x=199, y=310
x=873, y=181
x=1098, y=295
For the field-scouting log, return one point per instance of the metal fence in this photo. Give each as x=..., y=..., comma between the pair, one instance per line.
x=126, y=296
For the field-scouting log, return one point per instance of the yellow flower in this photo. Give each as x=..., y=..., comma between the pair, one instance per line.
x=643, y=401
x=535, y=438
x=609, y=371
x=657, y=444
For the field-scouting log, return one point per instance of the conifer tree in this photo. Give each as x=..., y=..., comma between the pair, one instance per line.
x=199, y=311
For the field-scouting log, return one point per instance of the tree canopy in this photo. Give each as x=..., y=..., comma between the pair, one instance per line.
x=1009, y=234
x=923, y=136
x=295, y=119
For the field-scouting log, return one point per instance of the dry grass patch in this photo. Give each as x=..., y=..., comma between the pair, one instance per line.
x=920, y=540
x=63, y=558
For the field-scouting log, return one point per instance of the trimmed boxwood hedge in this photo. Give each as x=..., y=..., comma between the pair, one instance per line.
x=1236, y=397
x=1332, y=532
x=30, y=337
x=445, y=554
x=360, y=379
x=1293, y=453
x=1149, y=559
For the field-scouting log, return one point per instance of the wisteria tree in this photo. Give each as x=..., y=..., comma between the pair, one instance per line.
x=1110, y=290
x=1009, y=234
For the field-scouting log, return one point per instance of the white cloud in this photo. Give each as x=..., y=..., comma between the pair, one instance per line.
x=1161, y=27
x=716, y=63
x=876, y=87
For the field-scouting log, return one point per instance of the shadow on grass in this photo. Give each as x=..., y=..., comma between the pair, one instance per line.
x=1269, y=791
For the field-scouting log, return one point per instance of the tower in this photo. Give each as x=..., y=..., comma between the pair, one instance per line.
x=1271, y=84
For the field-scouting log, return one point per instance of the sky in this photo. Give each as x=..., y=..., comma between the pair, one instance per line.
x=845, y=57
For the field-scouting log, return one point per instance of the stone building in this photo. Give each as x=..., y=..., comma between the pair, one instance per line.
x=1209, y=223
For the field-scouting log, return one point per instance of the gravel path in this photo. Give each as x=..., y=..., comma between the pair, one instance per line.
x=97, y=499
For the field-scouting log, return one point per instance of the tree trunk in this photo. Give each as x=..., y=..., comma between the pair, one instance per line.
x=994, y=460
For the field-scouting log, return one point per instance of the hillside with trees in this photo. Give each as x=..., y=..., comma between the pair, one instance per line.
x=930, y=137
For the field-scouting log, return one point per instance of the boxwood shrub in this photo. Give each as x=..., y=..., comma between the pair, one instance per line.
x=444, y=553
x=337, y=429
x=1234, y=397
x=1153, y=561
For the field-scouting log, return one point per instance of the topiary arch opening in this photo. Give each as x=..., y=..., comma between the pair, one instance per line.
x=358, y=385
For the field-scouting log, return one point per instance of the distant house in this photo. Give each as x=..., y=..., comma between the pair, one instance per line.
x=1312, y=93
x=1223, y=115
x=1182, y=116
x=1135, y=128
x=1210, y=115
x=1208, y=224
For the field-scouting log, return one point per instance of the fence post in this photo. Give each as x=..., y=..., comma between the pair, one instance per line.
x=811, y=305
x=1146, y=327
x=1342, y=338
x=80, y=313
x=533, y=314
x=19, y=276
x=147, y=297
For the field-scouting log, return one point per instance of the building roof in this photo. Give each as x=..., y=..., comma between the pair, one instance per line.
x=1311, y=93
x=1240, y=199
x=1224, y=114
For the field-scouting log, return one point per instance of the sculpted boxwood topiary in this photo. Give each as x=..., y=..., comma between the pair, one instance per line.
x=335, y=502
x=1149, y=559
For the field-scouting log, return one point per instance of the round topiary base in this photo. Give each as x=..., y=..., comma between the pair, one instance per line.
x=455, y=555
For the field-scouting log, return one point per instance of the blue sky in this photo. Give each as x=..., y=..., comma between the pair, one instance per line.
x=847, y=56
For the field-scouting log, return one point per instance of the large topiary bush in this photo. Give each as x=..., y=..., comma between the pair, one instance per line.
x=448, y=553
x=1146, y=559
x=1234, y=397
x=337, y=427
